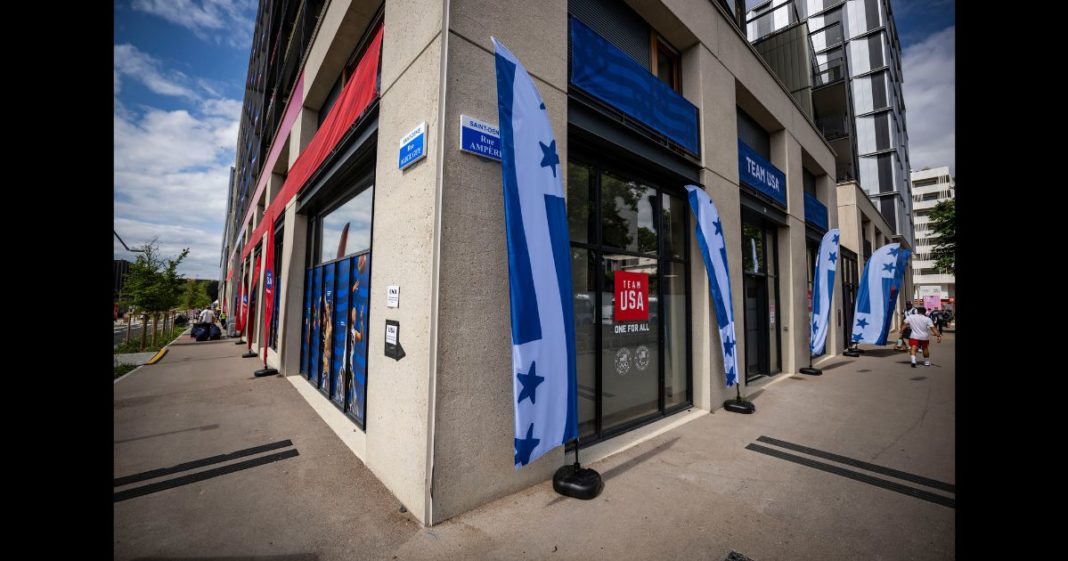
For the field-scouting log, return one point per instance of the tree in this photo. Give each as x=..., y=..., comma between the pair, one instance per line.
x=944, y=224
x=153, y=283
x=195, y=295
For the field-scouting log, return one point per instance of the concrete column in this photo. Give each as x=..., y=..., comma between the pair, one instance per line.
x=793, y=267
x=708, y=85
x=473, y=439
x=304, y=128
x=291, y=307
x=727, y=197
x=402, y=253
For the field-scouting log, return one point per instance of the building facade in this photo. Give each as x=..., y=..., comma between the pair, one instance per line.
x=385, y=229
x=842, y=60
x=930, y=187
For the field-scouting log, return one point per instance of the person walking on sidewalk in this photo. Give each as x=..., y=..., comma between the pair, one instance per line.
x=922, y=328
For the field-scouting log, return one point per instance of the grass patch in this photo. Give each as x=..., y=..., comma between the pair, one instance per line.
x=162, y=340
x=123, y=369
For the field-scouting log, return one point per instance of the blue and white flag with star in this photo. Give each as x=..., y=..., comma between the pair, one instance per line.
x=873, y=296
x=714, y=252
x=823, y=291
x=539, y=267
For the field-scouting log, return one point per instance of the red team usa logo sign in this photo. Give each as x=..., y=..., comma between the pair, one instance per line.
x=632, y=296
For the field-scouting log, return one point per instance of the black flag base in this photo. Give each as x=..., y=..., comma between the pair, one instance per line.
x=249, y=354
x=239, y=341
x=852, y=351
x=812, y=371
x=739, y=406
x=265, y=372
x=577, y=482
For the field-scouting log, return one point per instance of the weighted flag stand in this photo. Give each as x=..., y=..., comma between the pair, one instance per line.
x=576, y=481
x=853, y=351
x=811, y=370
x=739, y=405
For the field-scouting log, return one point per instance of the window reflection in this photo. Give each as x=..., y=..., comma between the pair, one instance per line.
x=355, y=215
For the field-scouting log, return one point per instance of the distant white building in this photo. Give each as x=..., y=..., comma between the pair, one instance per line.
x=930, y=187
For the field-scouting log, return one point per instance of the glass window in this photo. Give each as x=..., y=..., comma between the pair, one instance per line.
x=674, y=215
x=627, y=214
x=676, y=381
x=579, y=209
x=752, y=249
x=629, y=351
x=347, y=229
x=774, y=312
x=666, y=61
x=584, y=285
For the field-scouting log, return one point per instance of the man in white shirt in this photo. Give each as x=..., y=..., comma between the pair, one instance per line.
x=922, y=330
x=207, y=316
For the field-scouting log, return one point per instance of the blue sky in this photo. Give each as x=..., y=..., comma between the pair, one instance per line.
x=179, y=78
x=179, y=73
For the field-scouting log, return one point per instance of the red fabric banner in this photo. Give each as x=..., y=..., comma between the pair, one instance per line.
x=252, y=292
x=268, y=293
x=242, y=306
x=358, y=93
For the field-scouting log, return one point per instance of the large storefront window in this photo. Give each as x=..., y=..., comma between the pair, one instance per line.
x=336, y=297
x=630, y=267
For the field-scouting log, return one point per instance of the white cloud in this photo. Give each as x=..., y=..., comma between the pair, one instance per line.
x=172, y=172
x=203, y=243
x=221, y=21
x=134, y=64
x=930, y=86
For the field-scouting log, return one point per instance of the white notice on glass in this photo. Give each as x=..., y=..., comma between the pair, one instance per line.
x=392, y=296
x=391, y=334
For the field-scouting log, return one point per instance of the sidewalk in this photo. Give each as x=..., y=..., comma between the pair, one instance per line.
x=697, y=492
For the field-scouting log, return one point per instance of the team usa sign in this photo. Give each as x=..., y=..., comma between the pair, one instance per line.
x=631, y=299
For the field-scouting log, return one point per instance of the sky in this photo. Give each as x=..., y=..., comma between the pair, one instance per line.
x=179, y=73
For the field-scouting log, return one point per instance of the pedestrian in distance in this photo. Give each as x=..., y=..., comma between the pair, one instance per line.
x=901, y=345
x=921, y=330
x=939, y=318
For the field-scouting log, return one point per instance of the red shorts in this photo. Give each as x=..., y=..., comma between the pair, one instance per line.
x=921, y=343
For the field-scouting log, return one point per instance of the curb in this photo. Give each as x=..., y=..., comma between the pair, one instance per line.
x=152, y=360
x=158, y=356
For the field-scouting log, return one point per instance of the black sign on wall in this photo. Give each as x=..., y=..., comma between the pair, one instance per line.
x=394, y=349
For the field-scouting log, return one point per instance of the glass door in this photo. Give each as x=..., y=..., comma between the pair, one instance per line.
x=630, y=273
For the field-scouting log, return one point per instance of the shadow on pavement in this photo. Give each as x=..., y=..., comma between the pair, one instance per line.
x=881, y=353
x=200, y=428
x=294, y=557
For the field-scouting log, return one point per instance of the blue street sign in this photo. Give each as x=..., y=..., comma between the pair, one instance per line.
x=412, y=147
x=480, y=138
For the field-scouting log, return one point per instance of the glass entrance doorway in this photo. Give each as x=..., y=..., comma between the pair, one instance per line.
x=631, y=270
x=850, y=283
x=761, y=288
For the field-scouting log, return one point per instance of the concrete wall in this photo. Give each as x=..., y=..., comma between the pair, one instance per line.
x=473, y=442
x=402, y=253
x=291, y=306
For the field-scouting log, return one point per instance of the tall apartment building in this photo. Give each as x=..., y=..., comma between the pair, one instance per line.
x=645, y=97
x=841, y=59
x=930, y=187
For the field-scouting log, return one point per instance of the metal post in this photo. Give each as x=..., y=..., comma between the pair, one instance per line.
x=129, y=324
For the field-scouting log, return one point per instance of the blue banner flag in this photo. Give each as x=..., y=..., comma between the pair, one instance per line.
x=895, y=287
x=823, y=291
x=539, y=266
x=873, y=296
x=714, y=252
